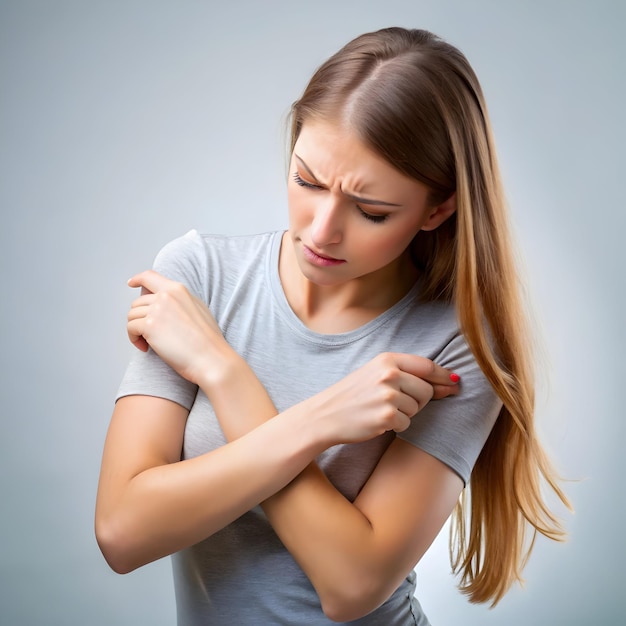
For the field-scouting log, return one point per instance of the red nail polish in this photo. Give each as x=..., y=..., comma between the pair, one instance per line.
x=455, y=378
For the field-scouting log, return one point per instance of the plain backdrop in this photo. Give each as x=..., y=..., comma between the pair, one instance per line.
x=123, y=124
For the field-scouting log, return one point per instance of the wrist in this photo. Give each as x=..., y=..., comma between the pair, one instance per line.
x=316, y=423
x=216, y=366
x=239, y=400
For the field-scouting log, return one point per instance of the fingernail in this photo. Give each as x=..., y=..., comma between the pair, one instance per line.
x=455, y=378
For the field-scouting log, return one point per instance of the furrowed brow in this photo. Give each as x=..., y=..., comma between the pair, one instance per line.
x=307, y=168
x=352, y=197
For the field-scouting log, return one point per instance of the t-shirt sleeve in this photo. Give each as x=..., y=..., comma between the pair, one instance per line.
x=183, y=260
x=455, y=429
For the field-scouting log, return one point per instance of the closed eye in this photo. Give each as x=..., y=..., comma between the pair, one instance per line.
x=377, y=219
x=303, y=183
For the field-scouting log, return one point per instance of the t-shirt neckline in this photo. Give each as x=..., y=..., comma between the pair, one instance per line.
x=298, y=326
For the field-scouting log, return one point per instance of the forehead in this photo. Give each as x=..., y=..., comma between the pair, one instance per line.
x=330, y=145
x=333, y=150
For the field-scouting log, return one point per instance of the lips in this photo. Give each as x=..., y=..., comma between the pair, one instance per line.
x=322, y=256
x=320, y=259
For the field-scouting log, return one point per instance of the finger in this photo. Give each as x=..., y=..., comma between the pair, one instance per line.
x=416, y=393
x=443, y=391
x=134, y=330
x=402, y=422
x=136, y=313
x=408, y=405
x=426, y=369
x=143, y=300
x=151, y=281
x=141, y=344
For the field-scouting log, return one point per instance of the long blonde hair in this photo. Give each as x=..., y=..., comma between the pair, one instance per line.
x=415, y=100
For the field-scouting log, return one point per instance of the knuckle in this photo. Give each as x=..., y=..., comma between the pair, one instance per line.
x=389, y=396
x=149, y=322
x=177, y=288
x=402, y=424
x=429, y=392
x=414, y=407
x=429, y=367
x=163, y=297
x=388, y=373
x=389, y=414
x=385, y=359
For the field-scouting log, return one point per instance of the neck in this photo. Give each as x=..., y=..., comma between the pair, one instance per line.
x=343, y=306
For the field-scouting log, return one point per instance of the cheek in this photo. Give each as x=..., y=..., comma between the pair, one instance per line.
x=292, y=205
x=298, y=206
x=392, y=246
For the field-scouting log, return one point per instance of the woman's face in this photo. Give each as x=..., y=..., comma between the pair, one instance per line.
x=352, y=215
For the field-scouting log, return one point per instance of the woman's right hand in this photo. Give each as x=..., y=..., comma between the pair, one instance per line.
x=178, y=327
x=382, y=395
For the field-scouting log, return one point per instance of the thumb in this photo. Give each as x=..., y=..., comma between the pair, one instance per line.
x=443, y=391
x=150, y=282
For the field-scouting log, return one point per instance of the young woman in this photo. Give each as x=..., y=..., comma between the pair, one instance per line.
x=306, y=409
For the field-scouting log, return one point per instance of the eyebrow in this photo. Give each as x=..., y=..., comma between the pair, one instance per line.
x=355, y=198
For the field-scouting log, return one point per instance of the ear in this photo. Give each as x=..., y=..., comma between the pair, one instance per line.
x=439, y=214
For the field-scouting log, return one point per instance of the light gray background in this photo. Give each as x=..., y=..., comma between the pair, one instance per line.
x=124, y=124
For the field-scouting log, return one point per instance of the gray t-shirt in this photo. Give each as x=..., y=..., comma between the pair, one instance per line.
x=243, y=574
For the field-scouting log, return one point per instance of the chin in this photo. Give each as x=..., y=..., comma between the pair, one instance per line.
x=321, y=277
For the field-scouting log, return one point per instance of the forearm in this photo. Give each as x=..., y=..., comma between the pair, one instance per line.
x=337, y=549
x=167, y=507
x=335, y=544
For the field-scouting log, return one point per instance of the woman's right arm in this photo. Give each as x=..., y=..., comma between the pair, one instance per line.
x=151, y=504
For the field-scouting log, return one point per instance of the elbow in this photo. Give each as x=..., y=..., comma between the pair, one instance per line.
x=352, y=602
x=342, y=611
x=114, y=546
x=339, y=614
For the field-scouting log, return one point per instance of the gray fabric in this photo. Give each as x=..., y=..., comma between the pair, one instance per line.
x=243, y=574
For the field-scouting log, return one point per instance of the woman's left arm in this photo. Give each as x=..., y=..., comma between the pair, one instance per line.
x=355, y=553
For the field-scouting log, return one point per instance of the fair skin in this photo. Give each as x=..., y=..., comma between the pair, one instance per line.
x=339, y=269
x=363, y=218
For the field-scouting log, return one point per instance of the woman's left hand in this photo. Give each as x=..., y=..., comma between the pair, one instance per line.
x=176, y=325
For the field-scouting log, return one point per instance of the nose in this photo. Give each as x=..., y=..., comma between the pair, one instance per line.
x=327, y=226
